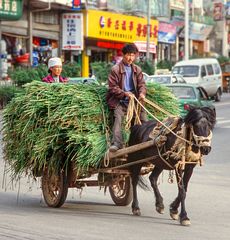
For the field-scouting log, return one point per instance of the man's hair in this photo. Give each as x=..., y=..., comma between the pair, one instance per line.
x=129, y=48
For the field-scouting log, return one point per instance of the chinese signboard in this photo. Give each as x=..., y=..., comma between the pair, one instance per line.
x=167, y=33
x=142, y=46
x=177, y=4
x=11, y=9
x=72, y=31
x=117, y=27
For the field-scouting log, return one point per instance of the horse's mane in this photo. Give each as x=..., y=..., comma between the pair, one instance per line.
x=196, y=113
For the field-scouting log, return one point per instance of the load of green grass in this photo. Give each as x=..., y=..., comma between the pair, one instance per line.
x=55, y=125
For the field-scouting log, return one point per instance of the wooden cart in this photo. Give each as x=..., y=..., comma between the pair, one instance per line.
x=115, y=176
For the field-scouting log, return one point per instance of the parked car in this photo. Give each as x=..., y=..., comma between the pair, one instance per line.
x=83, y=80
x=205, y=72
x=191, y=95
x=165, y=79
x=145, y=76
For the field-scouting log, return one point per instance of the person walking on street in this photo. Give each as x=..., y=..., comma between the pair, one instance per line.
x=55, y=69
x=125, y=79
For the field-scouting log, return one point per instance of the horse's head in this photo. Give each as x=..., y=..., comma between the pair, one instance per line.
x=202, y=121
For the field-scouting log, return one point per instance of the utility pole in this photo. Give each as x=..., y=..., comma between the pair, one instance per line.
x=148, y=29
x=0, y=50
x=186, y=31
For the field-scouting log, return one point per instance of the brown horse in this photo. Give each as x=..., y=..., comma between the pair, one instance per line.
x=193, y=134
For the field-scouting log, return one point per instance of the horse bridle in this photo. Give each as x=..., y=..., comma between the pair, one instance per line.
x=178, y=150
x=200, y=141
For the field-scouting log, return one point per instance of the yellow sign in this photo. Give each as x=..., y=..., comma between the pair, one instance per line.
x=118, y=27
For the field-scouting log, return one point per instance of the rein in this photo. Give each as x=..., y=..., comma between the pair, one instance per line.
x=134, y=109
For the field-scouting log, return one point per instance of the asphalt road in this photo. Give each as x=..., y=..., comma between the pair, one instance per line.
x=91, y=214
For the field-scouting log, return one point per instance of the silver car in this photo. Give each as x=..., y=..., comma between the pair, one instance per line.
x=165, y=79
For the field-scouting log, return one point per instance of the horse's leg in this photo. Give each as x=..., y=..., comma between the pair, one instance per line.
x=153, y=180
x=176, y=203
x=184, y=220
x=135, y=177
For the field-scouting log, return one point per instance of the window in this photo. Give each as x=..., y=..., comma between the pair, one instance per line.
x=209, y=69
x=183, y=92
x=186, y=71
x=216, y=68
x=203, y=71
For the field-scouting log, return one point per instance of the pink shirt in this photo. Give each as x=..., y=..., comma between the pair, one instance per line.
x=50, y=79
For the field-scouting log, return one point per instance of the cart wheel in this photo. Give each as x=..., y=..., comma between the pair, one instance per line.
x=54, y=189
x=121, y=192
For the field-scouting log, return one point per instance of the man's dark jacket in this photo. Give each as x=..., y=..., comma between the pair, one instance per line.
x=116, y=84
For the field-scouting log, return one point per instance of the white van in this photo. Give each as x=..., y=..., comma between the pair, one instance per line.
x=205, y=72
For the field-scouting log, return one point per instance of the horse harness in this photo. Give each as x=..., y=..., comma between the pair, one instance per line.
x=181, y=151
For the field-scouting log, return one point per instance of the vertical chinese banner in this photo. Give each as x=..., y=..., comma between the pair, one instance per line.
x=72, y=31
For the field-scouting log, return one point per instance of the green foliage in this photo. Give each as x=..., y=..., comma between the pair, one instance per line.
x=223, y=59
x=164, y=64
x=7, y=93
x=23, y=75
x=71, y=70
x=101, y=70
x=147, y=67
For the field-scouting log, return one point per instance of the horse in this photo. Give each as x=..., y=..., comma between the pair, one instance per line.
x=185, y=141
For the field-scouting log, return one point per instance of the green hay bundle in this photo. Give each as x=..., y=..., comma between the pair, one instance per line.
x=53, y=125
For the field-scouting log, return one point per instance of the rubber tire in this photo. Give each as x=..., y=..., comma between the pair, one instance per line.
x=218, y=96
x=122, y=195
x=54, y=189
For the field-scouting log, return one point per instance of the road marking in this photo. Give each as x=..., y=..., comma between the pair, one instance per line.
x=222, y=126
x=223, y=121
x=222, y=104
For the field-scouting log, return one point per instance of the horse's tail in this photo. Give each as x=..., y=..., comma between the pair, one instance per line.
x=143, y=184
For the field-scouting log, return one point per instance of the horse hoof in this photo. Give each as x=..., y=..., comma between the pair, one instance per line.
x=136, y=212
x=160, y=210
x=185, y=222
x=174, y=216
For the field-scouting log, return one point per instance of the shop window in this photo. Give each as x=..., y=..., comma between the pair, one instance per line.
x=50, y=17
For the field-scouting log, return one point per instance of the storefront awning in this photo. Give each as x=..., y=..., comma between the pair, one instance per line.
x=198, y=31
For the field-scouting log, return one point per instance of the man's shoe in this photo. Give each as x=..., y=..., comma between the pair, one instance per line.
x=113, y=148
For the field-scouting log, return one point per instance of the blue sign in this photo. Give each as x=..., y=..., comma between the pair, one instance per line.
x=166, y=37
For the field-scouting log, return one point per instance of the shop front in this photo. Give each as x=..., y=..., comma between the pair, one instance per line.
x=198, y=36
x=38, y=35
x=107, y=32
x=167, y=34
